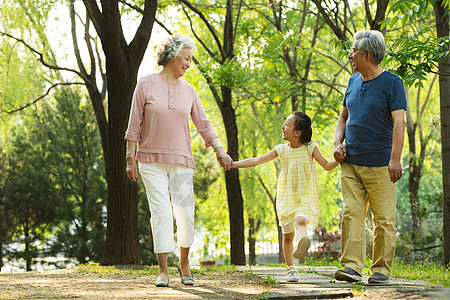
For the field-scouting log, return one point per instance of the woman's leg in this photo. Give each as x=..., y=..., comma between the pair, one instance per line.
x=182, y=194
x=184, y=261
x=162, y=263
x=156, y=184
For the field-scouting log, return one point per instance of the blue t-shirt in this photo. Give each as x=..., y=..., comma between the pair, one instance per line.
x=368, y=132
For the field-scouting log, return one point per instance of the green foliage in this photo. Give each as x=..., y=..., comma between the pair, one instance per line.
x=30, y=197
x=270, y=280
x=414, y=56
x=77, y=164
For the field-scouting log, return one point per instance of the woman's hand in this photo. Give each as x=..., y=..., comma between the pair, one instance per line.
x=224, y=159
x=131, y=168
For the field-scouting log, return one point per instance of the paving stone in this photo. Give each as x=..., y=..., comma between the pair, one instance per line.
x=318, y=283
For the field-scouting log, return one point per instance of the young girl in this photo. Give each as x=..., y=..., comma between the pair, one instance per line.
x=297, y=188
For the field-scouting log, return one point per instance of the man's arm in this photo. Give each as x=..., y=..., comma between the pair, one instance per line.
x=395, y=165
x=339, y=134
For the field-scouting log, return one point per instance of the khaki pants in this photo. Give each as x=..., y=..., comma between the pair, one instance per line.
x=362, y=186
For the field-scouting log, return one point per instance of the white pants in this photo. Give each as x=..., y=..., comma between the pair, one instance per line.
x=170, y=194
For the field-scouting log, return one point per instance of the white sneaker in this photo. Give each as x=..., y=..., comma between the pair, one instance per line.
x=302, y=247
x=292, y=276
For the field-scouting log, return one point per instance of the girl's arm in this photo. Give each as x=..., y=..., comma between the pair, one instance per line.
x=251, y=162
x=327, y=165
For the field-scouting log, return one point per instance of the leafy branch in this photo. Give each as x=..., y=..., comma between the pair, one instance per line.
x=40, y=97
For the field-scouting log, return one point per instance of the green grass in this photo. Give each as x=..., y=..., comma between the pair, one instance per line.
x=428, y=271
x=95, y=268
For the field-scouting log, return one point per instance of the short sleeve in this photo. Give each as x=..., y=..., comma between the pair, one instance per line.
x=397, y=99
x=279, y=149
x=311, y=147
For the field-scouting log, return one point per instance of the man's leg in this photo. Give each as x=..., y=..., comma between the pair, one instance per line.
x=382, y=199
x=353, y=235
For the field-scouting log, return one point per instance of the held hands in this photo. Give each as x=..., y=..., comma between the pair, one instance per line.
x=339, y=153
x=224, y=159
x=131, y=168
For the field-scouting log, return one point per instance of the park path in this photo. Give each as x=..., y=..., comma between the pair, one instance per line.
x=317, y=283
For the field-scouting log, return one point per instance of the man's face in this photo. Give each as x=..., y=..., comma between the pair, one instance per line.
x=356, y=58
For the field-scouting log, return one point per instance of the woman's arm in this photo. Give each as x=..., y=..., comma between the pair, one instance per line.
x=223, y=158
x=326, y=164
x=251, y=162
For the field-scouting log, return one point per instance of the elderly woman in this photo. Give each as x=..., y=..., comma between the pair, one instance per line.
x=159, y=122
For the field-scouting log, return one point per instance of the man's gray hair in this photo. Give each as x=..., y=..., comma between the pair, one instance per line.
x=372, y=41
x=170, y=48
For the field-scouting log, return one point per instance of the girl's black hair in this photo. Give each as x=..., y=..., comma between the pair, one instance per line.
x=303, y=123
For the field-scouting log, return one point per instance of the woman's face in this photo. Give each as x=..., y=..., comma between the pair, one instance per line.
x=182, y=62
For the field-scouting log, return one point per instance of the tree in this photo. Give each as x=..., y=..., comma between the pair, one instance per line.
x=223, y=56
x=30, y=198
x=77, y=165
x=122, y=63
x=442, y=31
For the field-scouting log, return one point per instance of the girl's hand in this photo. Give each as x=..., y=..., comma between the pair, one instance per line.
x=131, y=168
x=224, y=159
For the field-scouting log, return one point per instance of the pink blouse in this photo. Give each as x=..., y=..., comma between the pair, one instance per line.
x=159, y=121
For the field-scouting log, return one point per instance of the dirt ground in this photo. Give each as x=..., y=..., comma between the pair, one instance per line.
x=78, y=283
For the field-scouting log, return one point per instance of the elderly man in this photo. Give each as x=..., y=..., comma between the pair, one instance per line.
x=372, y=124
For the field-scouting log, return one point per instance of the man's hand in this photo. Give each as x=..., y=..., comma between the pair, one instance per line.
x=395, y=171
x=339, y=153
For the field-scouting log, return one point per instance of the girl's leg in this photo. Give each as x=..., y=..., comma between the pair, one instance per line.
x=301, y=228
x=301, y=237
x=288, y=247
x=162, y=263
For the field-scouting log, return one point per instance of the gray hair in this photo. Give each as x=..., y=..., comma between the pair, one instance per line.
x=372, y=41
x=170, y=49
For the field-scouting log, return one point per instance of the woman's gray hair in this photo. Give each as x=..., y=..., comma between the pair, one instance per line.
x=170, y=48
x=372, y=41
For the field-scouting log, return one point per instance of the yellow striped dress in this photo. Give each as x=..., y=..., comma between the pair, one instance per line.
x=297, y=188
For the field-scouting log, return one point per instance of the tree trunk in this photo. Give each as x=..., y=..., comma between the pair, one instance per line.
x=1, y=255
x=122, y=63
x=122, y=243
x=27, y=253
x=252, y=230
x=442, y=29
x=233, y=184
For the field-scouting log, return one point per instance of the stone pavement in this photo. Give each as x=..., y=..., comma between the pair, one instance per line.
x=319, y=283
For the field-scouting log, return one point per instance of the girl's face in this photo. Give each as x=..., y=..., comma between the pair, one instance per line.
x=289, y=132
